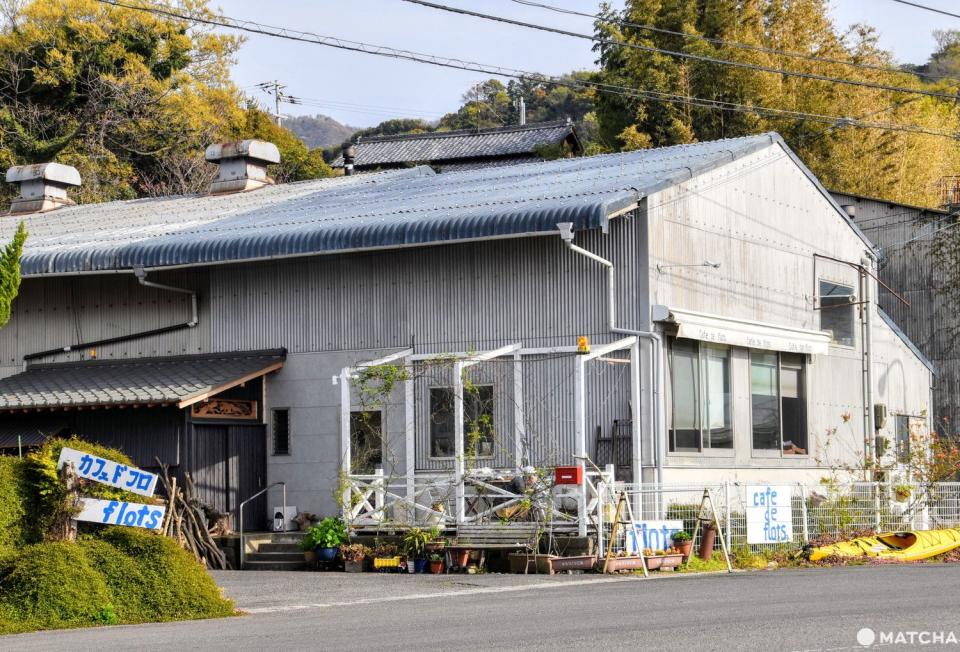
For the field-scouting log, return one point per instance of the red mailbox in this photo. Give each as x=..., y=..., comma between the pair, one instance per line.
x=568, y=475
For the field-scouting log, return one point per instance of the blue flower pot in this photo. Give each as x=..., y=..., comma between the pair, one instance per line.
x=327, y=554
x=420, y=565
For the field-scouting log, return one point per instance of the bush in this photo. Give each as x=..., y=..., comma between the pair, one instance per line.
x=14, y=498
x=124, y=576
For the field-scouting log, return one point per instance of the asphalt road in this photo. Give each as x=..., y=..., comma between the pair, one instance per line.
x=808, y=610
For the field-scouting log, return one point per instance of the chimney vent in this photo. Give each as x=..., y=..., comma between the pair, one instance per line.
x=850, y=210
x=43, y=187
x=243, y=165
x=349, y=155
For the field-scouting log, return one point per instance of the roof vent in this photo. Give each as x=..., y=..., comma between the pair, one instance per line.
x=43, y=187
x=243, y=165
x=850, y=210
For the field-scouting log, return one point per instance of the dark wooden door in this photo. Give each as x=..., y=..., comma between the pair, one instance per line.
x=229, y=465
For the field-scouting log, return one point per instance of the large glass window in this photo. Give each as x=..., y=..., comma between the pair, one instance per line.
x=837, y=312
x=778, y=402
x=700, y=390
x=477, y=421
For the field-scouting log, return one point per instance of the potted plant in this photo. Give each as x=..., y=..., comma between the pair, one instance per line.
x=436, y=564
x=415, y=546
x=683, y=542
x=385, y=557
x=354, y=557
x=903, y=492
x=309, y=544
x=329, y=534
x=437, y=543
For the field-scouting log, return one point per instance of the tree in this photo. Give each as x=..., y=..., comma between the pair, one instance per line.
x=486, y=104
x=10, y=272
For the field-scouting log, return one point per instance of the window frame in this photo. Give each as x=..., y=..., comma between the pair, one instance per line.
x=853, y=314
x=383, y=430
x=701, y=405
x=910, y=420
x=273, y=432
x=769, y=453
x=493, y=417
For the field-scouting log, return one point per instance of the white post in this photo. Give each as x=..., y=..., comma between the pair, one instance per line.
x=345, y=453
x=458, y=438
x=519, y=430
x=410, y=463
x=635, y=433
x=726, y=509
x=580, y=426
x=803, y=511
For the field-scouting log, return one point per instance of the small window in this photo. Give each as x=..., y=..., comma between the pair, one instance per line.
x=778, y=402
x=837, y=312
x=902, y=425
x=477, y=421
x=281, y=432
x=700, y=390
x=366, y=441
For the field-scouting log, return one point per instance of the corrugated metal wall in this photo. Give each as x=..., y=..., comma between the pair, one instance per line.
x=913, y=272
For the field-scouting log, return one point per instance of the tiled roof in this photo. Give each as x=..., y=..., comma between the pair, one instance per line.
x=400, y=208
x=438, y=146
x=176, y=380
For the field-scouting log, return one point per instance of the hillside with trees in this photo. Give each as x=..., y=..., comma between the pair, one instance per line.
x=318, y=131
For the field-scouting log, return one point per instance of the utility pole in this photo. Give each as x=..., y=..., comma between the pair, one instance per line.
x=523, y=111
x=274, y=88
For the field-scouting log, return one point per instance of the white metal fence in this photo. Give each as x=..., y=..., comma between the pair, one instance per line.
x=816, y=509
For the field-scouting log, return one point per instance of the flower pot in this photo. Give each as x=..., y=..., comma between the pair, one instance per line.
x=381, y=563
x=669, y=562
x=625, y=563
x=310, y=556
x=706, y=541
x=353, y=566
x=327, y=554
x=685, y=548
x=420, y=565
x=436, y=567
x=583, y=563
x=524, y=563
x=461, y=558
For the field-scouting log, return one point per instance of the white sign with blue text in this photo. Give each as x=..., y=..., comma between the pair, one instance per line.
x=655, y=535
x=118, y=512
x=121, y=476
x=769, y=514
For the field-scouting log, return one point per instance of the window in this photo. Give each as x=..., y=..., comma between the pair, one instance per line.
x=836, y=312
x=281, y=432
x=902, y=426
x=700, y=390
x=366, y=441
x=477, y=421
x=778, y=402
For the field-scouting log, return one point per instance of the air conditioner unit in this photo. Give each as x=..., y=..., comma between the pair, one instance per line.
x=879, y=416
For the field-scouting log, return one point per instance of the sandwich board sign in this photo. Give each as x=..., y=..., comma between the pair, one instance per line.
x=769, y=514
x=107, y=472
x=117, y=512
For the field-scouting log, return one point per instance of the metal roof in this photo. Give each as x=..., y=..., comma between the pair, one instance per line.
x=16, y=432
x=459, y=145
x=179, y=380
x=410, y=207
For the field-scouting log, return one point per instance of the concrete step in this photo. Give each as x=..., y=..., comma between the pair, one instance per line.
x=275, y=556
x=276, y=565
x=279, y=547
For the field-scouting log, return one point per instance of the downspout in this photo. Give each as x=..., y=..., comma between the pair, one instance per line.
x=141, y=275
x=870, y=421
x=656, y=346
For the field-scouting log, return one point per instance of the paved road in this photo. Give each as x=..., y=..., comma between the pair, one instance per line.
x=783, y=610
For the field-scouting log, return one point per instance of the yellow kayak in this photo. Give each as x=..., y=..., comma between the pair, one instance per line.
x=903, y=546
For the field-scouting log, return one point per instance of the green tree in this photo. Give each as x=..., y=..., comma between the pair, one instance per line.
x=10, y=272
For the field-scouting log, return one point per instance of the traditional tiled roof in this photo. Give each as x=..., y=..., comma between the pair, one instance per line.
x=400, y=208
x=176, y=380
x=463, y=145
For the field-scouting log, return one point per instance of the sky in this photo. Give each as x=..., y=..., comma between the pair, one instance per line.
x=362, y=90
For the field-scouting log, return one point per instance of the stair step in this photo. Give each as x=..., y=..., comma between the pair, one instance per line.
x=275, y=556
x=276, y=565
x=279, y=547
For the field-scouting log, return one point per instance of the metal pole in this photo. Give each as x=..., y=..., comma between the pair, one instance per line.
x=803, y=511
x=727, y=518
x=284, y=507
x=20, y=445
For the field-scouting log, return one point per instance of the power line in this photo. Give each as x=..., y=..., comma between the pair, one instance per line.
x=735, y=44
x=926, y=8
x=500, y=71
x=687, y=55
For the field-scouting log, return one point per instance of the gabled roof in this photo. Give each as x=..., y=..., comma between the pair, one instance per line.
x=411, y=207
x=176, y=380
x=466, y=144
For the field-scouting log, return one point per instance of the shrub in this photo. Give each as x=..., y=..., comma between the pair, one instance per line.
x=14, y=498
x=328, y=533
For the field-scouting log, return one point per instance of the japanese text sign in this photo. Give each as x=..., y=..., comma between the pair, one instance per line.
x=121, y=476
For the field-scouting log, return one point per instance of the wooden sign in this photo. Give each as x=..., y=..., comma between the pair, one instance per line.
x=224, y=408
x=108, y=472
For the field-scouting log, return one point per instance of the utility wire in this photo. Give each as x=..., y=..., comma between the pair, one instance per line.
x=734, y=44
x=926, y=8
x=687, y=55
x=499, y=71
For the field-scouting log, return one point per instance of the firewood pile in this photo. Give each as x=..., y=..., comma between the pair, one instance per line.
x=191, y=522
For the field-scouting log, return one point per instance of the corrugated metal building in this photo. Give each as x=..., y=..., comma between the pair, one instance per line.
x=719, y=257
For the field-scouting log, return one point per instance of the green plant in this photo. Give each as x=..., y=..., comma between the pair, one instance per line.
x=903, y=492
x=681, y=536
x=355, y=552
x=384, y=550
x=15, y=495
x=328, y=533
x=415, y=542
x=435, y=557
